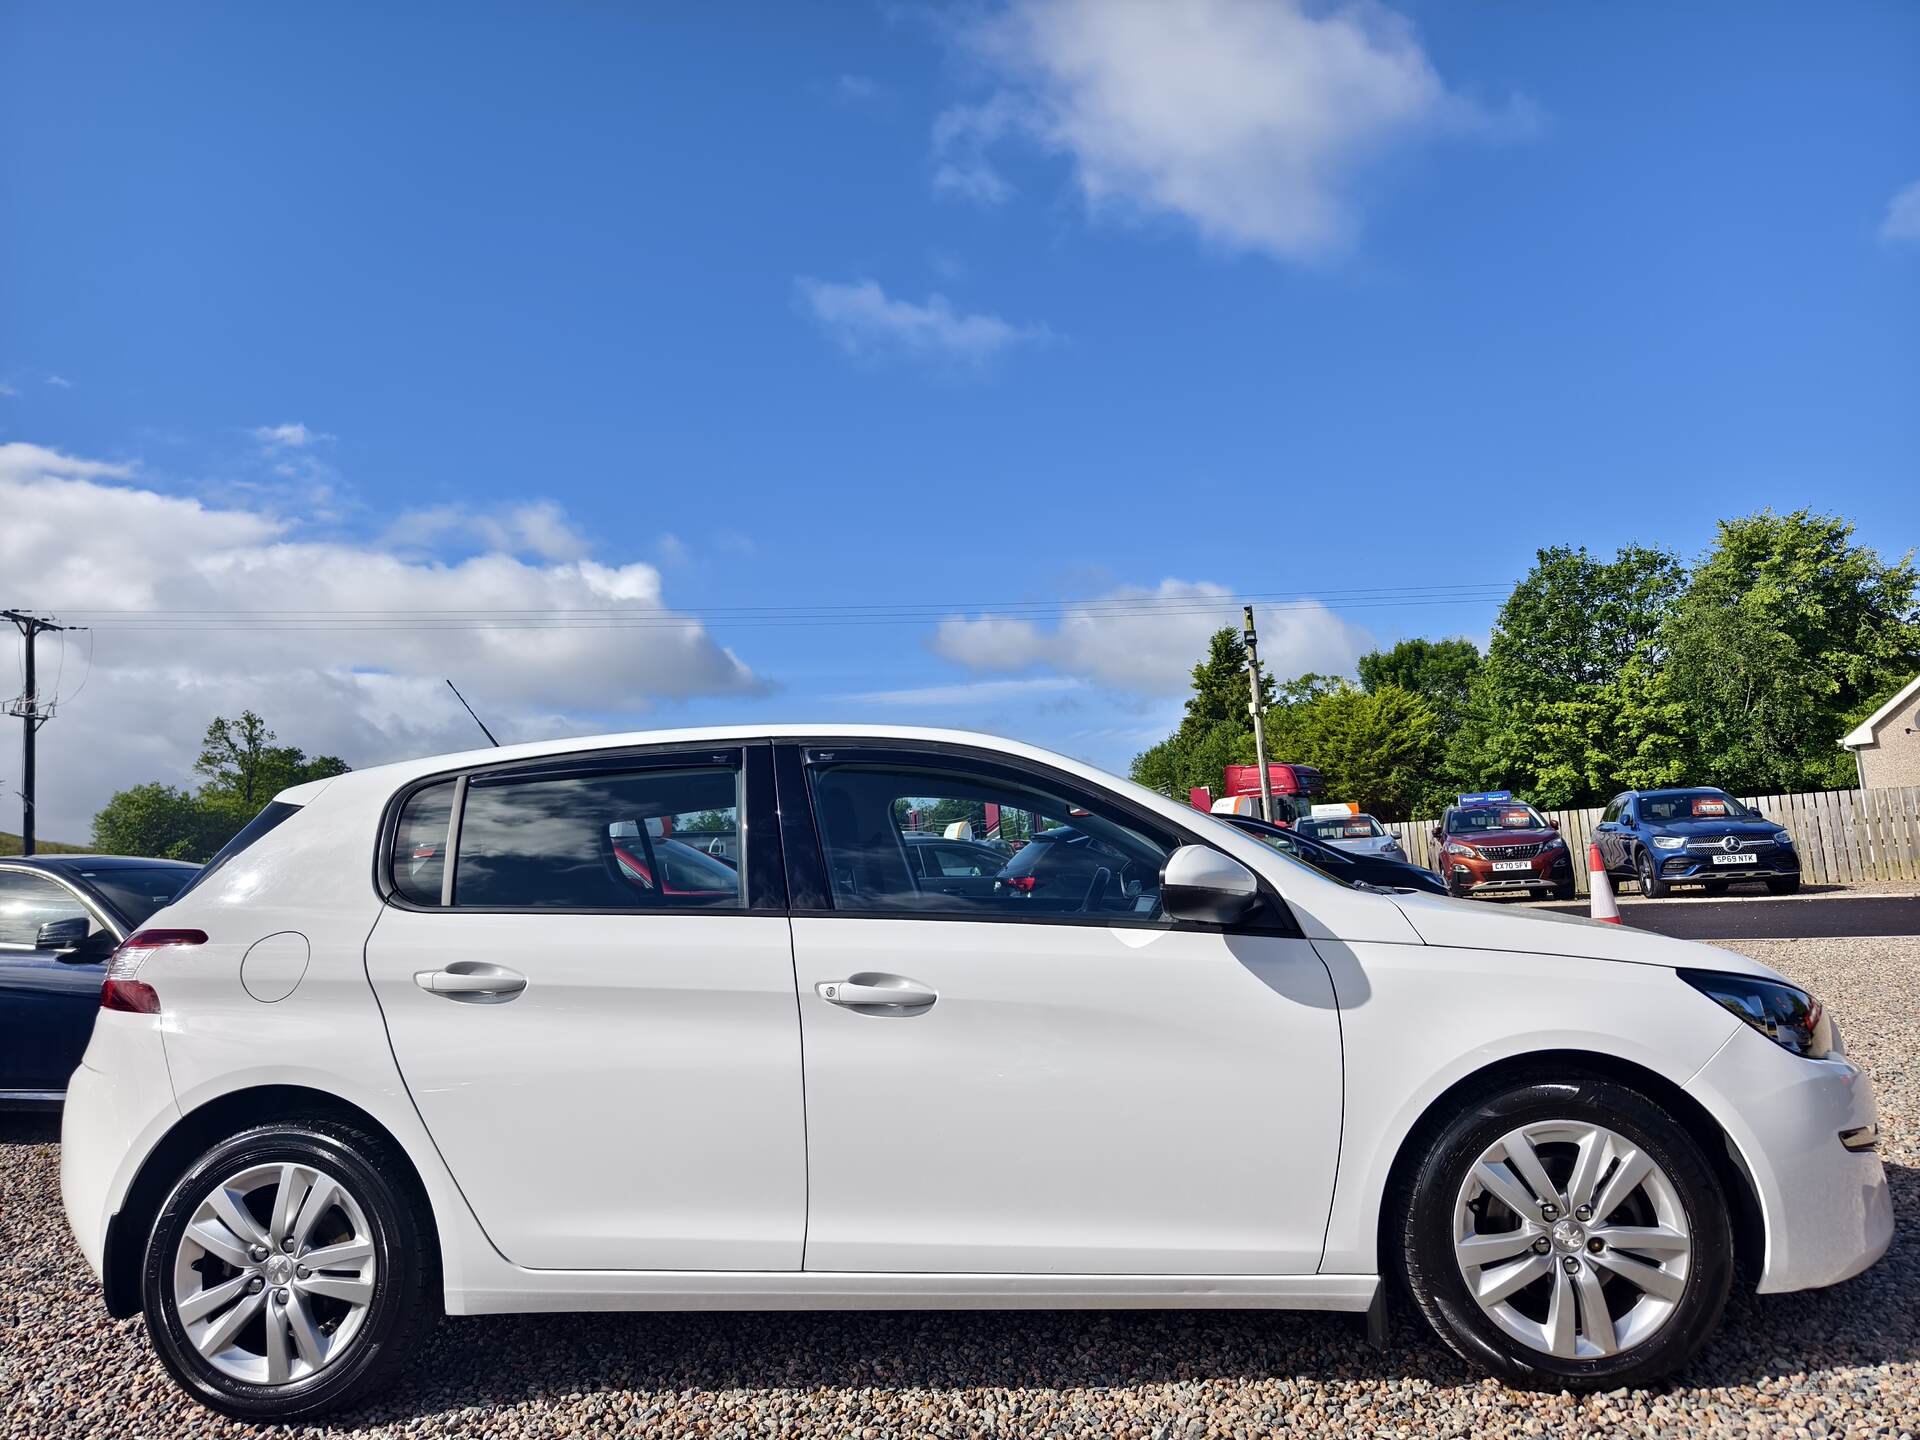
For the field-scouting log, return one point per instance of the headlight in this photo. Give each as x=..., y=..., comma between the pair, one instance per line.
x=1789, y=1017
x=1555, y=842
x=1454, y=847
x=1669, y=842
x=1781, y=837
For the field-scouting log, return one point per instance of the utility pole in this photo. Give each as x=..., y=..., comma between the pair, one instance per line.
x=27, y=707
x=1259, y=717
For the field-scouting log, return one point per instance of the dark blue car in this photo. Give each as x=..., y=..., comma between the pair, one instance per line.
x=60, y=917
x=1699, y=836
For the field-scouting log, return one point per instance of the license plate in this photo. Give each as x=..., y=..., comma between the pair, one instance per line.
x=1736, y=859
x=1513, y=864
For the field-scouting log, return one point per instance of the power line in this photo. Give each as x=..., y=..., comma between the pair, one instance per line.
x=762, y=617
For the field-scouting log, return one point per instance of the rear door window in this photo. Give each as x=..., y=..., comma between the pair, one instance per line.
x=607, y=840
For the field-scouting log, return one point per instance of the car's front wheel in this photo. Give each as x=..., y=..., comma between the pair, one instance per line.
x=1567, y=1233
x=289, y=1272
x=1647, y=871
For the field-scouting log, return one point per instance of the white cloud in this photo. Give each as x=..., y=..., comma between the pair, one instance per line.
x=1246, y=118
x=291, y=436
x=540, y=528
x=80, y=537
x=1903, y=215
x=864, y=321
x=59, y=382
x=7, y=391
x=1148, y=640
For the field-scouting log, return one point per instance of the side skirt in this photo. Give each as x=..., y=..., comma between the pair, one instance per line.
x=561, y=1290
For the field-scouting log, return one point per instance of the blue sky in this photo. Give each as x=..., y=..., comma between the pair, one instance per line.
x=710, y=312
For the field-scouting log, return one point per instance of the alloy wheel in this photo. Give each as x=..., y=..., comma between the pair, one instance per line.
x=274, y=1273
x=1572, y=1239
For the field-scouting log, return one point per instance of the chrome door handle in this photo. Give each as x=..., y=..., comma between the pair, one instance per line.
x=877, y=993
x=472, y=981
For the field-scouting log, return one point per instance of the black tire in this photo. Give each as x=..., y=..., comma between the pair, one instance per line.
x=1716, y=887
x=1439, y=1288
x=1647, y=871
x=1783, y=885
x=400, y=1312
x=1563, y=891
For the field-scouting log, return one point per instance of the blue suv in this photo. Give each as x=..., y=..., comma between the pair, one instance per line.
x=1663, y=838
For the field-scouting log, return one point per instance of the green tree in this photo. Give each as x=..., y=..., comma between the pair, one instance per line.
x=1788, y=633
x=1562, y=692
x=246, y=769
x=1377, y=747
x=1216, y=728
x=243, y=769
x=1441, y=672
x=162, y=821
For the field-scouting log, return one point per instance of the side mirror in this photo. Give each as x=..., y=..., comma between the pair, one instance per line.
x=1204, y=885
x=1553, y=824
x=69, y=935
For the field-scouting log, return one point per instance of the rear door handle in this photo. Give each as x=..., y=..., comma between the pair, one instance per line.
x=472, y=981
x=878, y=994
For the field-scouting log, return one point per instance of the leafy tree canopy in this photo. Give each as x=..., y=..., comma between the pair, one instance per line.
x=243, y=770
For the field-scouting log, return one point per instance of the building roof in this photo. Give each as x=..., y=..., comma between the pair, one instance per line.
x=1862, y=734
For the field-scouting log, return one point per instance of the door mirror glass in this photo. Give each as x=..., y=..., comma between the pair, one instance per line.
x=1203, y=885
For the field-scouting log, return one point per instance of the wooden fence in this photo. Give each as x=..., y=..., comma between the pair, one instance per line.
x=1843, y=836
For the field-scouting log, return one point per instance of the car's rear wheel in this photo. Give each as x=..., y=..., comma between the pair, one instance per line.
x=1567, y=1233
x=1783, y=885
x=288, y=1273
x=1647, y=871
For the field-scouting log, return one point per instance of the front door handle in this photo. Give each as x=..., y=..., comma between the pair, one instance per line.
x=472, y=981
x=877, y=994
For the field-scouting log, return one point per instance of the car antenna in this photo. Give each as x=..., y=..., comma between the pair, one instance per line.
x=476, y=719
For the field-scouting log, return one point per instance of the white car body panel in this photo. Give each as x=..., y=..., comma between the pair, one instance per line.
x=1005, y=1127
x=639, y=1043
x=1428, y=990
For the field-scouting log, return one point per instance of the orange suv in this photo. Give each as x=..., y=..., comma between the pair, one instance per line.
x=1492, y=844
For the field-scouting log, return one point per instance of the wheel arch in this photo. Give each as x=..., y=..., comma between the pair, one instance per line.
x=190, y=1136
x=1729, y=1167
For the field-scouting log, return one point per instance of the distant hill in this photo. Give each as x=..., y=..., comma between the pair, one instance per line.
x=10, y=845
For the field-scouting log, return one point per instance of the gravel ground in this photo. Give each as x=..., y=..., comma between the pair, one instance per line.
x=1841, y=1362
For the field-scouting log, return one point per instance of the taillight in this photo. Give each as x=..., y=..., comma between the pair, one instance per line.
x=121, y=991
x=1021, y=882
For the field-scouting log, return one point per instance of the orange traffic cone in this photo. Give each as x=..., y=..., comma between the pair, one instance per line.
x=1600, y=888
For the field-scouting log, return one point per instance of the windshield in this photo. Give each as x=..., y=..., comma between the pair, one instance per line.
x=1665, y=806
x=1341, y=827
x=1481, y=819
x=136, y=891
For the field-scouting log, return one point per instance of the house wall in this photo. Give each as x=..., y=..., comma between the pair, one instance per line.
x=1894, y=758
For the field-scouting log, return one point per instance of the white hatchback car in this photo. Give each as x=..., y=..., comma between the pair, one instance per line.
x=481, y=1034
